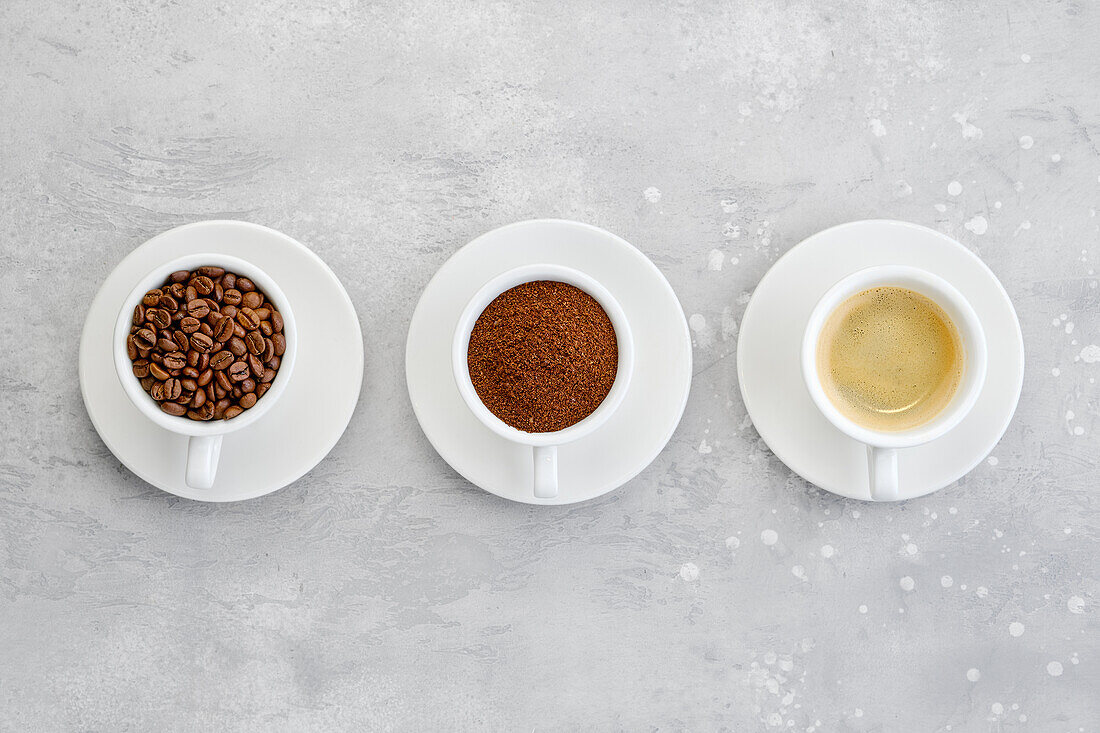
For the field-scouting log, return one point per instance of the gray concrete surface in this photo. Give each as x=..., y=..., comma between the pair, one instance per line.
x=383, y=592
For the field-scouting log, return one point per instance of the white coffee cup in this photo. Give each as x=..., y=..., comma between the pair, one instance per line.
x=205, y=444
x=882, y=446
x=544, y=445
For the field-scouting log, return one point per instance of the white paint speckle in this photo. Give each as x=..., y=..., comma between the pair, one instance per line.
x=979, y=225
x=940, y=207
x=911, y=549
x=863, y=609
x=907, y=583
x=1056, y=372
x=997, y=708
x=1016, y=628
x=1078, y=430
x=704, y=448
x=1069, y=327
x=1026, y=58
x=652, y=194
x=858, y=713
x=1026, y=141
x=969, y=131
x=689, y=571
x=799, y=572
x=954, y=188
x=1056, y=158
x=1054, y=669
x=827, y=551
x=769, y=537
x=947, y=581
x=728, y=205
x=973, y=674
x=1090, y=354
x=715, y=259
x=981, y=591
x=992, y=460
x=877, y=128
x=953, y=510
x=732, y=542
x=1076, y=604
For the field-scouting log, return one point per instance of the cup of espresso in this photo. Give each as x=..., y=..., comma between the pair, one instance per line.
x=893, y=357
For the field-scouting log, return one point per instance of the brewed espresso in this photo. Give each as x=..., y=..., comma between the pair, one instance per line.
x=890, y=359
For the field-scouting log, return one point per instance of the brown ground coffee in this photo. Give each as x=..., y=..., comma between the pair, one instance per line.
x=543, y=356
x=207, y=344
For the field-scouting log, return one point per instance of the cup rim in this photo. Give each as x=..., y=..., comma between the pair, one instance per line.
x=517, y=276
x=944, y=295
x=182, y=424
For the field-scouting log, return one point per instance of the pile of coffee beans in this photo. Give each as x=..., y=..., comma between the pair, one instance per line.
x=543, y=356
x=207, y=344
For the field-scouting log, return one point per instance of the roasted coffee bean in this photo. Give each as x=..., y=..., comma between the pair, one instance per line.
x=151, y=298
x=209, y=391
x=231, y=412
x=197, y=308
x=210, y=271
x=176, y=290
x=159, y=317
x=203, y=285
x=198, y=399
x=168, y=303
x=156, y=371
x=181, y=340
x=274, y=362
x=189, y=372
x=139, y=314
x=145, y=338
x=173, y=408
x=238, y=371
x=201, y=343
x=190, y=324
x=156, y=356
x=147, y=383
x=265, y=328
x=236, y=393
x=172, y=388
x=262, y=387
x=219, y=408
x=221, y=360
x=236, y=346
x=219, y=292
x=232, y=297
x=156, y=390
x=230, y=310
x=229, y=280
x=277, y=321
x=186, y=383
x=222, y=380
x=190, y=293
x=269, y=350
x=255, y=365
x=280, y=344
x=131, y=347
x=143, y=353
x=251, y=300
x=269, y=374
x=218, y=391
x=248, y=401
x=244, y=284
x=179, y=276
x=192, y=357
x=204, y=412
x=223, y=329
x=247, y=318
x=166, y=344
x=205, y=328
x=248, y=385
x=263, y=312
x=238, y=331
x=175, y=359
x=254, y=341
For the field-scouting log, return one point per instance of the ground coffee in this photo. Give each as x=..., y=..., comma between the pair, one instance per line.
x=543, y=356
x=207, y=344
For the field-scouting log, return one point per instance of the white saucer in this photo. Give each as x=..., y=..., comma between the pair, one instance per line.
x=299, y=430
x=634, y=434
x=771, y=380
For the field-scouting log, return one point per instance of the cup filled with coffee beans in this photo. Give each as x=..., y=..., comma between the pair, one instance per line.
x=542, y=356
x=205, y=345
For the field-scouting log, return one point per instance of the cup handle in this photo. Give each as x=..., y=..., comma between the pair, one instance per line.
x=546, y=471
x=882, y=469
x=203, y=452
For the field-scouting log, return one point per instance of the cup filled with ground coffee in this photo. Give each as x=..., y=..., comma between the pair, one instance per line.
x=204, y=346
x=542, y=356
x=893, y=357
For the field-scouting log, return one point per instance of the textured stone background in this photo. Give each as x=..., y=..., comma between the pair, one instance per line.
x=382, y=591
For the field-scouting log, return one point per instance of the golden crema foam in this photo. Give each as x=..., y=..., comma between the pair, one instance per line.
x=890, y=359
